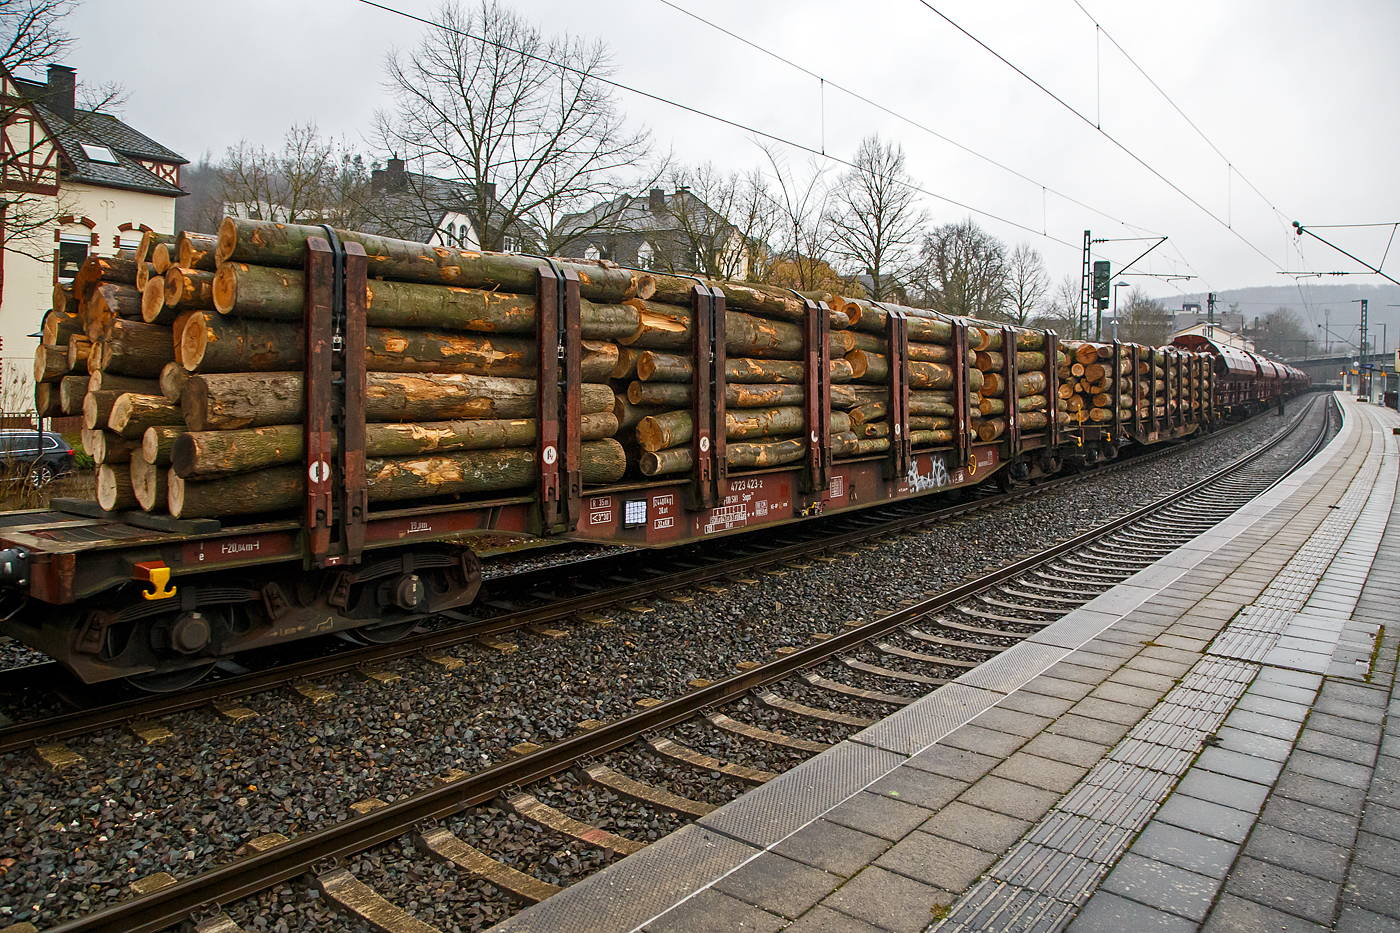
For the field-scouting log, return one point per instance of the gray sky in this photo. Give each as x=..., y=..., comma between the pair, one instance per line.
x=1303, y=98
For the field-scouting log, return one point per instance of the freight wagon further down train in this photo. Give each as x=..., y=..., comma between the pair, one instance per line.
x=302, y=430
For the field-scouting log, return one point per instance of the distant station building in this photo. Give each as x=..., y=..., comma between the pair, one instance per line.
x=76, y=182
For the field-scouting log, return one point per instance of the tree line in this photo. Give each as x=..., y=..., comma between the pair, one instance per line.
x=540, y=157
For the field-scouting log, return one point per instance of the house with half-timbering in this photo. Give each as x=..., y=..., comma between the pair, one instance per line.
x=76, y=182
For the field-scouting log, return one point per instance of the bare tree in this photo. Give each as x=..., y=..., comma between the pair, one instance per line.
x=801, y=241
x=31, y=196
x=962, y=270
x=1026, y=284
x=875, y=220
x=1281, y=333
x=518, y=119
x=1061, y=313
x=1144, y=320
x=310, y=180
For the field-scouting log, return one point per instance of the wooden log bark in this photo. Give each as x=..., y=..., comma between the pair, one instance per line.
x=739, y=455
x=220, y=401
x=870, y=411
x=173, y=378
x=189, y=289
x=479, y=471
x=149, y=483
x=158, y=443
x=1034, y=420
x=768, y=300
x=200, y=455
x=991, y=429
x=132, y=414
x=97, y=408
x=930, y=403
x=154, y=308
x=930, y=437
x=930, y=353
x=1031, y=403
x=78, y=349
x=626, y=368
x=658, y=432
x=48, y=400
x=875, y=368
x=629, y=415
x=924, y=326
x=929, y=423
x=670, y=395
x=667, y=327
x=271, y=490
x=71, y=392
x=991, y=406
x=272, y=244
x=50, y=363
x=196, y=250
x=59, y=326
x=105, y=447
x=114, y=489
x=211, y=343
x=112, y=382
x=107, y=303
x=136, y=349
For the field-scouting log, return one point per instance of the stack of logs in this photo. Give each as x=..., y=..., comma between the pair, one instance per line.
x=1090, y=389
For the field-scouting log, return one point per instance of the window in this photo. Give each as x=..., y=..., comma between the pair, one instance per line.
x=645, y=255
x=510, y=244
x=592, y=254
x=99, y=153
x=71, y=256
x=128, y=241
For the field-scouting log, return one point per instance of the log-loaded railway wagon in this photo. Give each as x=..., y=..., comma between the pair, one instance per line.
x=303, y=430
x=1246, y=382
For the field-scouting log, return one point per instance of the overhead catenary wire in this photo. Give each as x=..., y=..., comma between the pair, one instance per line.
x=827, y=82
x=803, y=147
x=1106, y=135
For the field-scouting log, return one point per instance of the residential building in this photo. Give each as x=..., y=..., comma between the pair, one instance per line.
x=427, y=209
x=1218, y=333
x=78, y=182
x=670, y=233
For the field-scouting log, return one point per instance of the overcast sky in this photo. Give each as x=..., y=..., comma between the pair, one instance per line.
x=1302, y=99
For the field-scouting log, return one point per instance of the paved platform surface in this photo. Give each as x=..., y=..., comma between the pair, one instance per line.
x=1214, y=744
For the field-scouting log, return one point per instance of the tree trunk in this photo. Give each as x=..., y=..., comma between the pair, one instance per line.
x=875, y=368
x=106, y=304
x=158, y=443
x=154, y=308
x=246, y=400
x=71, y=392
x=48, y=400
x=671, y=395
x=149, y=482
x=870, y=411
x=1031, y=403
x=245, y=494
x=667, y=327
x=991, y=429
x=927, y=438
x=991, y=406
x=1031, y=383
x=1033, y=420
x=132, y=414
x=212, y=344
x=989, y=361
x=164, y=257
x=629, y=415
x=50, y=363
x=196, y=250
x=59, y=326
x=872, y=429
x=172, y=381
x=273, y=244
x=930, y=403
x=189, y=290
x=79, y=347
x=105, y=447
x=114, y=489
x=739, y=455
x=929, y=423
x=930, y=353
x=136, y=349
x=111, y=382
x=658, y=432
x=478, y=471
x=97, y=408
x=626, y=368
x=924, y=326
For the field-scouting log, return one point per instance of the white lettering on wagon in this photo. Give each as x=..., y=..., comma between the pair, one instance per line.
x=235, y=548
x=935, y=478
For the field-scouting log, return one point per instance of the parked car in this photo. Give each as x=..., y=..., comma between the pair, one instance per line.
x=38, y=457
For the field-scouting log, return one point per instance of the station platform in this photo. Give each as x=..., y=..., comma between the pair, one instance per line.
x=1213, y=744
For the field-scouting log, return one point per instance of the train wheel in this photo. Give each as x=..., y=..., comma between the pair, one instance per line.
x=170, y=681
x=384, y=633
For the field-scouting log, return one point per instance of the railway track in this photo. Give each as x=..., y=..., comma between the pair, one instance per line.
x=775, y=704
x=535, y=598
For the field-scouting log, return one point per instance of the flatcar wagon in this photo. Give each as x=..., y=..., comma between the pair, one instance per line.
x=875, y=403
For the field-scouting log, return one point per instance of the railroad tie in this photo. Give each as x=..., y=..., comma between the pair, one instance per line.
x=771, y=700
x=892, y=674
x=898, y=652
x=689, y=756
x=535, y=810
x=446, y=847
x=721, y=721
x=219, y=923
x=874, y=696
x=354, y=896
x=624, y=786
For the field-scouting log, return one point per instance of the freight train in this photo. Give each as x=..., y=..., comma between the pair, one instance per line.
x=345, y=415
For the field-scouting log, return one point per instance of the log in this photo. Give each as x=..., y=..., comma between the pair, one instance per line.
x=71, y=391
x=672, y=395
x=870, y=411
x=271, y=490
x=1034, y=420
x=107, y=303
x=158, y=443
x=924, y=326
x=976, y=380
x=136, y=349
x=164, y=258
x=626, y=368
x=930, y=403
x=927, y=438
x=50, y=363
x=200, y=455
x=111, y=382
x=246, y=400
x=991, y=406
x=989, y=361
x=875, y=368
x=97, y=408
x=105, y=447
x=48, y=400
x=78, y=349
x=1031, y=403
x=991, y=429
x=667, y=327
x=132, y=414
x=930, y=353
x=991, y=383
x=114, y=489
x=658, y=432
x=154, y=308
x=210, y=343
x=189, y=290
x=196, y=250
x=149, y=482
x=741, y=455
x=144, y=274
x=59, y=326
x=629, y=415
x=272, y=244
x=1030, y=383
x=172, y=381
x=769, y=300
x=63, y=302
x=929, y=423
x=872, y=429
